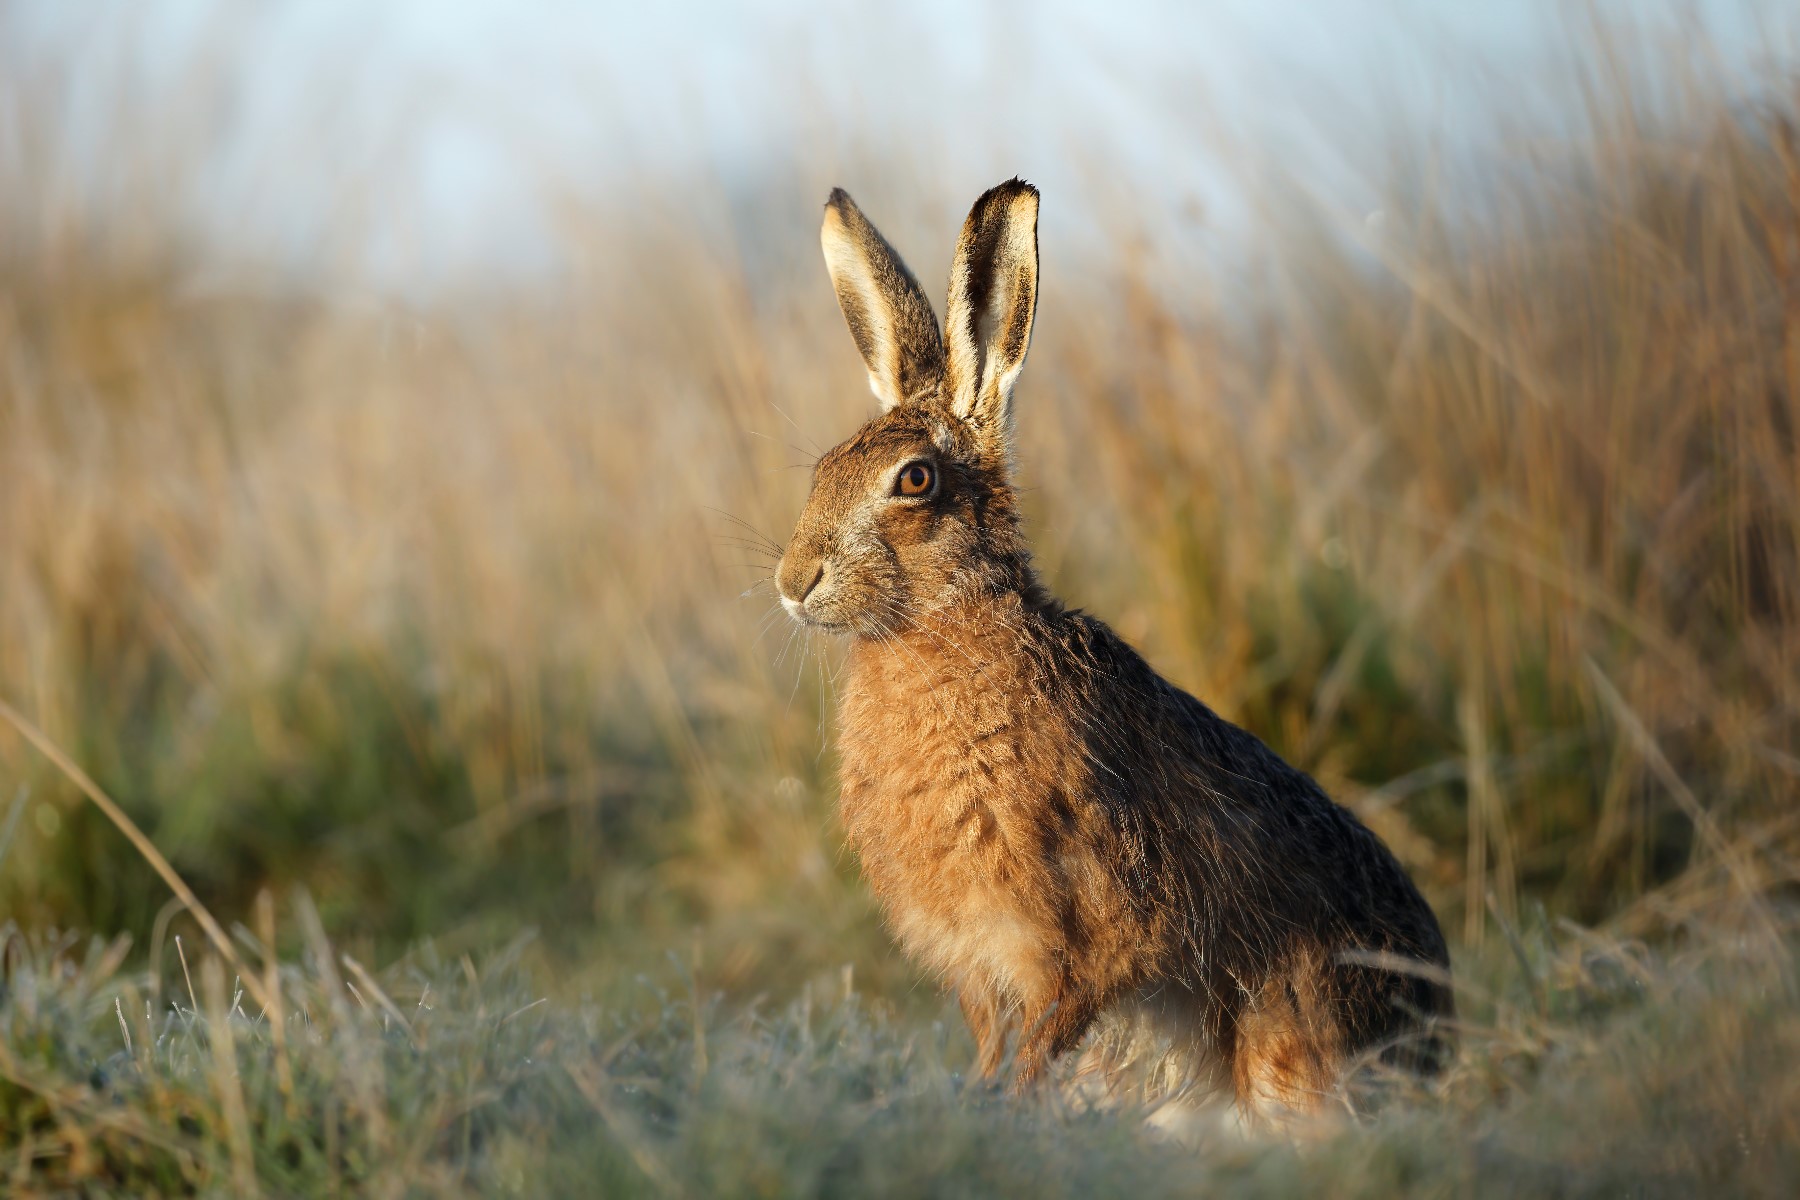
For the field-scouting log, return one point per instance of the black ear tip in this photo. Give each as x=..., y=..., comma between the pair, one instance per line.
x=839, y=198
x=1001, y=195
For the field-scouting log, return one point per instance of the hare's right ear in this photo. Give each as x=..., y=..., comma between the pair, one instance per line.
x=888, y=314
x=993, y=301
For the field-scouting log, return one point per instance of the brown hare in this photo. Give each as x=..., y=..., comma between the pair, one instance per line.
x=1056, y=830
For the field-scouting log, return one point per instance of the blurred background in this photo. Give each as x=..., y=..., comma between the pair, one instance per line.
x=397, y=403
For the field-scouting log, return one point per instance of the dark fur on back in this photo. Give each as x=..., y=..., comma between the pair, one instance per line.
x=1241, y=861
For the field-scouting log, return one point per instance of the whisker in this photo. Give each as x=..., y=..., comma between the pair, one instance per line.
x=768, y=623
x=777, y=441
x=746, y=544
x=786, y=646
x=799, y=669
x=824, y=698
x=784, y=416
x=761, y=537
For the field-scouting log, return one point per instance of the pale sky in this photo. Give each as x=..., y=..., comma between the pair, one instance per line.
x=441, y=131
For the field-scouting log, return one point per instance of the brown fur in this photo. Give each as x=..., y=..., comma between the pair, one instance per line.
x=1051, y=827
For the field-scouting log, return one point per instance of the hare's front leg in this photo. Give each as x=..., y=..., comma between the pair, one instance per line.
x=988, y=1022
x=1052, y=1027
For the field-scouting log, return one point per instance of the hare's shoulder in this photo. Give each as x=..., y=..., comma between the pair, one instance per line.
x=1137, y=717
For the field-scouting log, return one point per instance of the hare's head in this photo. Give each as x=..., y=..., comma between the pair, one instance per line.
x=916, y=511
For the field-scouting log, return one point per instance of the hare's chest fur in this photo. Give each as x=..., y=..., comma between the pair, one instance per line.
x=955, y=788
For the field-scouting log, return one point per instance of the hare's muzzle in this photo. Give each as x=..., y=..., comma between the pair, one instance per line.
x=789, y=583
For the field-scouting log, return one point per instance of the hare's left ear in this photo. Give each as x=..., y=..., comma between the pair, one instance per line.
x=993, y=299
x=888, y=314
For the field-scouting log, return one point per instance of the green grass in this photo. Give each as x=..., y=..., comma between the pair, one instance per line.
x=1590, y=1066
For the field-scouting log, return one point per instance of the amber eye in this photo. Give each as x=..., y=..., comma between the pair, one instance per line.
x=915, y=479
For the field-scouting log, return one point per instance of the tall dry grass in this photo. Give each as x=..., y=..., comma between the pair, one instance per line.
x=1486, y=514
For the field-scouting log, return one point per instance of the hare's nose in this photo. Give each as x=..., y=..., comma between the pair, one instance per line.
x=788, y=590
x=798, y=607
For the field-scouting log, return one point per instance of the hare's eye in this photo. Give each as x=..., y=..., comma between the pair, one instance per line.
x=915, y=479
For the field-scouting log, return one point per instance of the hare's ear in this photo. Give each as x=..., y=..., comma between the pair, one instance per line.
x=888, y=314
x=993, y=298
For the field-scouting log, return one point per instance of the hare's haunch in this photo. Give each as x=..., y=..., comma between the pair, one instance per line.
x=1051, y=826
